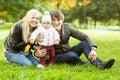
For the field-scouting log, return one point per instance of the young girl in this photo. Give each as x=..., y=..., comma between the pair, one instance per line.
x=51, y=37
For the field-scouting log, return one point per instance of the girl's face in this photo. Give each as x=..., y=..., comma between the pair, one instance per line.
x=46, y=25
x=34, y=20
x=56, y=22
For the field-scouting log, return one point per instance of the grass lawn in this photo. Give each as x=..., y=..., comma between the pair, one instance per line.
x=108, y=47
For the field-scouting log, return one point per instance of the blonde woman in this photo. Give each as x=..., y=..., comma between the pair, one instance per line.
x=17, y=40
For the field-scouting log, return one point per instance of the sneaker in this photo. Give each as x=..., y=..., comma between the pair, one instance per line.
x=105, y=65
x=40, y=66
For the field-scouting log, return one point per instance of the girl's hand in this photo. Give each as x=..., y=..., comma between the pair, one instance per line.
x=57, y=42
x=40, y=38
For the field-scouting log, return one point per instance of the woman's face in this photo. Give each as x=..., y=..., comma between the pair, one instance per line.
x=56, y=22
x=34, y=20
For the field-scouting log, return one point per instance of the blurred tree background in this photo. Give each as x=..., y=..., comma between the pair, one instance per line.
x=79, y=12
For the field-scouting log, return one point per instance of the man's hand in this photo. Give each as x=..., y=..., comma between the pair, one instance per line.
x=92, y=55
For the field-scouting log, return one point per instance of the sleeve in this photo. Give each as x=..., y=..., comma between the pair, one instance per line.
x=15, y=38
x=35, y=33
x=56, y=35
x=82, y=36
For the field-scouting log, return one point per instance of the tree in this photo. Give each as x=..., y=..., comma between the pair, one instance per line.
x=14, y=10
x=97, y=10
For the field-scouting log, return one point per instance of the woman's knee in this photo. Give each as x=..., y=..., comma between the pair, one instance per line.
x=24, y=61
x=28, y=63
x=19, y=59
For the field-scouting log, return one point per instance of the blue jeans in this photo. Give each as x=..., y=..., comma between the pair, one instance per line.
x=20, y=58
x=72, y=56
x=68, y=58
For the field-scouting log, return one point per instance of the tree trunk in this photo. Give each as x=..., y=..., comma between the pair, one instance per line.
x=95, y=23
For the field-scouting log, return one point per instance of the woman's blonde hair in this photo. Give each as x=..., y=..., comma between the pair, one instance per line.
x=25, y=25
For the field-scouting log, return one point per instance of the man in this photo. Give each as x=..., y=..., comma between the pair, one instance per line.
x=65, y=54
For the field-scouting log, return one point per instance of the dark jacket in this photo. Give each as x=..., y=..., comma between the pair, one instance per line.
x=14, y=41
x=66, y=32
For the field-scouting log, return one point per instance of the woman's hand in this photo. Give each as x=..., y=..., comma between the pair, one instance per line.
x=40, y=38
x=40, y=53
x=92, y=55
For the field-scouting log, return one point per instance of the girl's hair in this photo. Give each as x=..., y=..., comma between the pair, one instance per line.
x=57, y=14
x=25, y=26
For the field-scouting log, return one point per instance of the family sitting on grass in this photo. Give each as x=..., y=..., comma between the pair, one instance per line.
x=30, y=42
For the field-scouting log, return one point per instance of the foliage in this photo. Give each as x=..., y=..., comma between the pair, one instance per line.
x=18, y=8
x=97, y=10
x=57, y=4
x=14, y=9
x=107, y=42
x=82, y=10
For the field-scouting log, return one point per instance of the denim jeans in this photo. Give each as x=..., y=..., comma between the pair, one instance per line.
x=83, y=48
x=20, y=58
x=68, y=58
x=72, y=56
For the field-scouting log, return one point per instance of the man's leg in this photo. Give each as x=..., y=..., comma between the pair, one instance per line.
x=83, y=46
x=68, y=58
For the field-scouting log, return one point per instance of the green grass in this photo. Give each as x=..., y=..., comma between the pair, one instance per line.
x=108, y=47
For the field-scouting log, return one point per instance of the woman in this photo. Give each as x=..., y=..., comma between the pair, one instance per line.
x=65, y=54
x=17, y=40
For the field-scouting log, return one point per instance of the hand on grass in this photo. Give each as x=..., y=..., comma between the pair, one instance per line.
x=92, y=55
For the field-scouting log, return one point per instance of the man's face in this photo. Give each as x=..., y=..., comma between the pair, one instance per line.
x=56, y=22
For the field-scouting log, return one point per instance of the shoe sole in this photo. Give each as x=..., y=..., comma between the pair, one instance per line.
x=109, y=64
